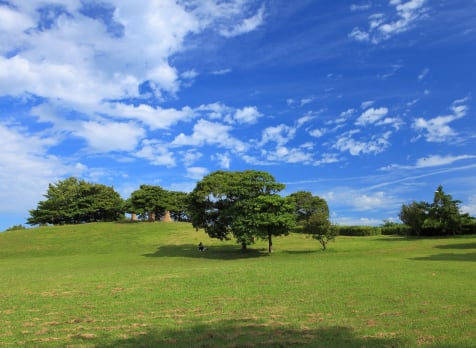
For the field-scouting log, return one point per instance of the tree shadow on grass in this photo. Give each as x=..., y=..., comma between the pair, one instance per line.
x=457, y=246
x=448, y=257
x=221, y=252
x=238, y=333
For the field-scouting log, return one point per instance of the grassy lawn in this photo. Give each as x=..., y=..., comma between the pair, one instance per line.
x=147, y=285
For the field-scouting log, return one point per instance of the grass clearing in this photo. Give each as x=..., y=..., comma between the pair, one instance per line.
x=147, y=285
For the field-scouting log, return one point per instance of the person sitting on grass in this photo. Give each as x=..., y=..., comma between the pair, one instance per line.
x=201, y=247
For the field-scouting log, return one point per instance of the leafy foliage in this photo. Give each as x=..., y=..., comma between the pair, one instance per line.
x=244, y=205
x=73, y=201
x=305, y=205
x=442, y=217
x=321, y=229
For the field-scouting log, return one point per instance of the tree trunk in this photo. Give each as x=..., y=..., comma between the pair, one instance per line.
x=167, y=217
x=243, y=246
x=270, y=242
x=133, y=217
x=151, y=216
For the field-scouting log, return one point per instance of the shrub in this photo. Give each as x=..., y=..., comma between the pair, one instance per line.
x=398, y=229
x=358, y=230
x=16, y=228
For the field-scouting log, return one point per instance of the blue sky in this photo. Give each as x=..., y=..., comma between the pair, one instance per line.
x=368, y=104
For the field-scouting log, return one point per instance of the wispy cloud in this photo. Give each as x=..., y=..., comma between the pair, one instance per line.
x=431, y=161
x=382, y=27
x=438, y=129
x=247, y=25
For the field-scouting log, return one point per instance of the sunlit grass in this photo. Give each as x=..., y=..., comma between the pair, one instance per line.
x=147, y=285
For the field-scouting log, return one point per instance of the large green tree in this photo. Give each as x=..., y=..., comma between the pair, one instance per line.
x=441, y=217
x=73, y=201
x=305, y=205
x=149, y=202
x=244, y=205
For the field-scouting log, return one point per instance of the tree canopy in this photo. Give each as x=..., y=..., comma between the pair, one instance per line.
x=441, y=217
x=244, y=205
x=72, y=201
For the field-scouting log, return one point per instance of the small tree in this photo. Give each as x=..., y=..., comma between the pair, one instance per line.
x=414, y=215
x=320, y=228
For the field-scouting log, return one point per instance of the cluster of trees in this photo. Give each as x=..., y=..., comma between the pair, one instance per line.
x=441, y=217
x=244, y=205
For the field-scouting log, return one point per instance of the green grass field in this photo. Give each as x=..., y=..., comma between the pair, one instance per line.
x=147, y=285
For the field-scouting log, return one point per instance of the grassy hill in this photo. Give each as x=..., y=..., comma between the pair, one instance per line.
x=147, y=285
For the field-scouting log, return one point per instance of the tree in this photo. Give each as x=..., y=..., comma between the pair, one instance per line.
x=263, y=216
x=239, y=204
x=178, y=205
x=73, y=201
x=320, y=228
x=414, y=215
x=149, y=201
x=305, y=205
x=444, y=215
x=441, y=217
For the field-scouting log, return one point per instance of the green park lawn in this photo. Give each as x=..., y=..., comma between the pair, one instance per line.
x=147, y=285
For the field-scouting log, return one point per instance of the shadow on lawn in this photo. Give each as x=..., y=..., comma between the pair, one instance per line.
x=221, y=252
x=235, y=333
x=448, y=257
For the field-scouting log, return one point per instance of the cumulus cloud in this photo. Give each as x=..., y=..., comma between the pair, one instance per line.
x=156, y=153
x=27, y=168
x=374, y=145
x=382, y=27
x=371, y=115
x=280, y=134
x=438, y=129
x=106, y=137
x=210, y=133
x=248, y=114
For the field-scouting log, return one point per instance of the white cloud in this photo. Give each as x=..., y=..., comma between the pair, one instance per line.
x=246, y=26
x=248, y=114
x=190, y=157
x=287, y=155
x=223, y=159
x=366, y=104
x=423, y=73
x=153, y=117
x=109, y=136
x=470, y=206
x=371, y=115
x=327, y=158
x=360, y=7
x=280, y=134
x=210, y=133
x=358, y=200
x=26, y=169
x=221, y=71
x=196, y=173
x=382, y=27
x=377, y=143
x=438, y=129
x=156, y=153
x=431, y=161
x=317, y=133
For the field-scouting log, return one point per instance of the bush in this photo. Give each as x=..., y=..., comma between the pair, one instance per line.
x=16, y=228
x=358, y=231
x=398, y=229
